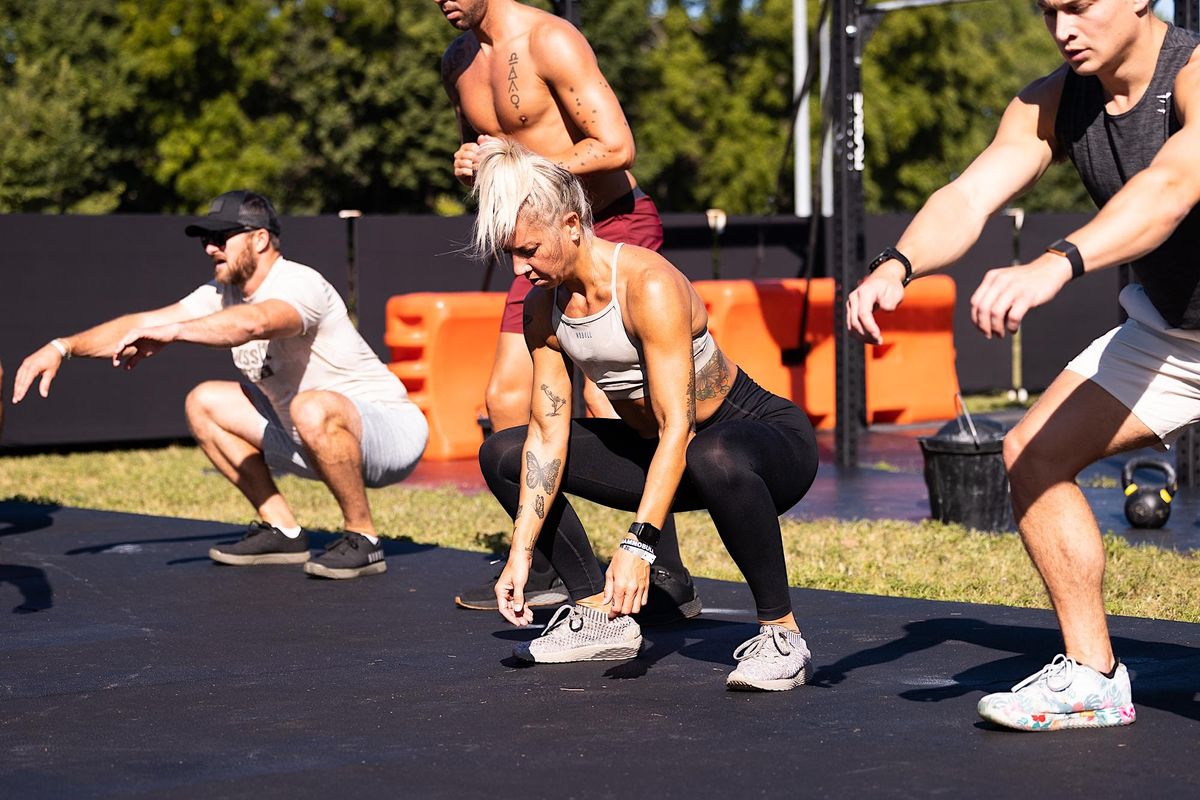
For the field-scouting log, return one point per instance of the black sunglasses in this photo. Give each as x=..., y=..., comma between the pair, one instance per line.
x=219, y=238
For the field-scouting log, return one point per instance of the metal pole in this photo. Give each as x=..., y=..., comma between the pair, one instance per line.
x=1187, y=14
x=351, y=215
x=569, y=10
x=847, y=245
x=827, y=140
x=801, y=157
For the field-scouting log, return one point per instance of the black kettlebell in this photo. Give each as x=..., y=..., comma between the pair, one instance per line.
x=1145, y=506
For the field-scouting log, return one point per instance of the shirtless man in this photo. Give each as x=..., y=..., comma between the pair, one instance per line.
x=1125, y=108
x=524, y=74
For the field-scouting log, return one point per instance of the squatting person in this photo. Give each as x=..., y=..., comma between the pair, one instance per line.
x=1125, y=108
x=521, y=73
x=694, y=430
x=315, y=402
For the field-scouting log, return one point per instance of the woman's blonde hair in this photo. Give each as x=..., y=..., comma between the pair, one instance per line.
x=510, y=181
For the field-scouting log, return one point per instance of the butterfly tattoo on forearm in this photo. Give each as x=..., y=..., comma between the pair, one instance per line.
x=538, y=475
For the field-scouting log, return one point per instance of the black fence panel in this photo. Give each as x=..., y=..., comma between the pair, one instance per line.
x=1051, y=335
x=62, y=274
x=402, y=255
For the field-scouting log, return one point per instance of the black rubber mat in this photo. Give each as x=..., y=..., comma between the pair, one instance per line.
x=130, y=666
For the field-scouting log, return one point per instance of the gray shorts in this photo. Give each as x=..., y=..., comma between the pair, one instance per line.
x=393, y=440
x=1150, y=367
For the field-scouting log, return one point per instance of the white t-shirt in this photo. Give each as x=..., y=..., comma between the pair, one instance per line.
x=328, y=355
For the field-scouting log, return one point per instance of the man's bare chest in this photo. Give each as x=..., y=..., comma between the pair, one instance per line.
x=502, y=93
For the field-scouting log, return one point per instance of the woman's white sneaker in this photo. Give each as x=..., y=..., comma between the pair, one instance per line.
x=775, y=660
x=579, y=633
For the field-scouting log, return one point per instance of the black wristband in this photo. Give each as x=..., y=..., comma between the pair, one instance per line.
x=1071, y=253
x=888, y=254
x=645, y=533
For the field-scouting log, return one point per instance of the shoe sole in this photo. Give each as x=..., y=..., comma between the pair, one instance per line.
x=543, y=600
x=262, y=558
x=319, y=570
x=1098, y=718
x=596, y=652
x=742, y=683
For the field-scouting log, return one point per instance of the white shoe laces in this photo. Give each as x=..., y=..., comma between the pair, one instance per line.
x=1057, y=675
x=753, y=647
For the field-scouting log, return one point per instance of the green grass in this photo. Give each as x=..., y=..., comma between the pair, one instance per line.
x=996, y=401
x=926, y=560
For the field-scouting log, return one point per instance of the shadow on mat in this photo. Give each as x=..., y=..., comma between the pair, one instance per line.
x=18, y=515
x=32, y=584
x=317, y=538
x=21, y=516
x=1164, y=674
x=701, y=639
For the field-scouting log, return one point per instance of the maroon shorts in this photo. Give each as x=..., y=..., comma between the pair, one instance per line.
x=632, y=219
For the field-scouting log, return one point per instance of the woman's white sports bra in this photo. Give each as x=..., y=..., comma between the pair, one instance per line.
x=605, y=351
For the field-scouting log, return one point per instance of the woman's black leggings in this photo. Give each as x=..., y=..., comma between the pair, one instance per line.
x=748, y=463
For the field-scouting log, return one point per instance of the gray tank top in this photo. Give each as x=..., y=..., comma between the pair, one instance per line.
x=1107, y=150
x=605, y=351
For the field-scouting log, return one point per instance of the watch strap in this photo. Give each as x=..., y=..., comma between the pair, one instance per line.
x=889, y=254
x=1071, y=253
x=645, y=533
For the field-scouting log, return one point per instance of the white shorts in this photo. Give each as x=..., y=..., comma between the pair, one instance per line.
x=1150, y=367
x=393, y=439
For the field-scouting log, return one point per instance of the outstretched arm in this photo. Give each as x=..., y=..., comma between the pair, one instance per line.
x=97, y=342
x=544, y=454
x=954, y=216
x=229, y=327
x=1133, y=223
x=568, y=66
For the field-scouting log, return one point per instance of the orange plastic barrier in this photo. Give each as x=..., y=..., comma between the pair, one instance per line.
x=910, y=378
x=442, y=347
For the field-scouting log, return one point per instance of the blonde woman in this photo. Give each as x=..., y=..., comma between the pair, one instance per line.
x=694, y=430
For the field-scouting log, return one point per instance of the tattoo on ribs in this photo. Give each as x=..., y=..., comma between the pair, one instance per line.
x=514, y=95
x=539, y=506
x=713, y=380
x=538, y=474
x=556, y=402
x=691, y=400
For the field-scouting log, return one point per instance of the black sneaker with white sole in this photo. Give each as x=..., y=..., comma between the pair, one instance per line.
x=351, y=556
x=672, y=598
x=262, y=544
x=543, y=590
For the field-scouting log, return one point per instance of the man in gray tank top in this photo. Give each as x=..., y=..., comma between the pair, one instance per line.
x=1125, y=108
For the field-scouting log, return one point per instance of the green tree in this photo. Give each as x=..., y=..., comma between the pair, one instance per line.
x=62, y=85
x=935, y=83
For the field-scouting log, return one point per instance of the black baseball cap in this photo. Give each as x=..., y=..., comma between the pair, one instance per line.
x=240, y=209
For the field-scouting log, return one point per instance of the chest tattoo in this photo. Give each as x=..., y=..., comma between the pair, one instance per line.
x=514, y=95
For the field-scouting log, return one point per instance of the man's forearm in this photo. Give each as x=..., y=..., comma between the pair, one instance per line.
x=228, y=328
x=591, y=156
x=1135, y=221
x=99, y=342
x=942, y=231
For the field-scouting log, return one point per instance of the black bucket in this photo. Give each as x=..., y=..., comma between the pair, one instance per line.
x=965, y=475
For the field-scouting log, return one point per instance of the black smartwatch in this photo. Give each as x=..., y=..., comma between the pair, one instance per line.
x=1071, y=253
x=888, y=254
x=645, y=533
